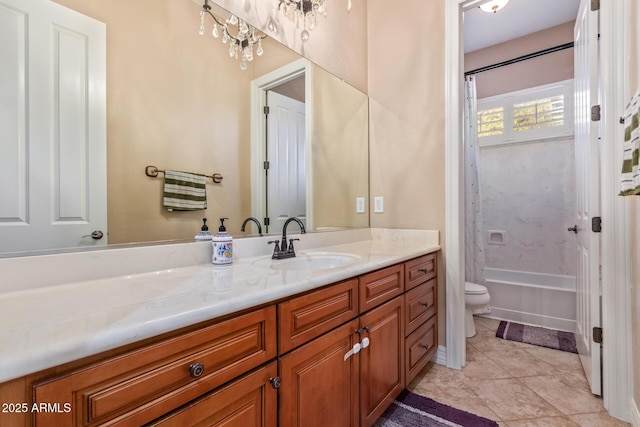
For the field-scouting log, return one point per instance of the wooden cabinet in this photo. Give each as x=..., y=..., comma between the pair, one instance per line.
x=421, y=315
x=382, y=361
x=381, y=286
x=420, y=303
x=320, y=386
x=250, y=401
x=304, y=318
x=222, y=373
x=419, y=270
x=145, y=384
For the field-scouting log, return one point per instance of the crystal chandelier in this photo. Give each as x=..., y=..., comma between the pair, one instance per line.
x=241, y=44
x=304, y=11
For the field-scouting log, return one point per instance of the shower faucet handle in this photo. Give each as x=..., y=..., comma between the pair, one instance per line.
x=574, y=229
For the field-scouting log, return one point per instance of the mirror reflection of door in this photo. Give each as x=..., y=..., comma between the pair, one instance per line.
x=52, y=127
x=285, y=147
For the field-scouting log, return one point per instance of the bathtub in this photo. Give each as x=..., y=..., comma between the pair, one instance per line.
x=539, y=299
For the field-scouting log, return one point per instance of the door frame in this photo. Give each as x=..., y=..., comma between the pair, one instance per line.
x=616, y=269
x=259, y=88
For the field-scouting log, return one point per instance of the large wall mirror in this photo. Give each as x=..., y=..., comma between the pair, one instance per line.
x=176, y=100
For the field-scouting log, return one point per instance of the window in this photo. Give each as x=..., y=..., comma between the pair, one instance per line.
x=543, y=112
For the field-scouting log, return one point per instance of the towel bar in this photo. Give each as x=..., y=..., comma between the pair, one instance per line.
x=153, y=172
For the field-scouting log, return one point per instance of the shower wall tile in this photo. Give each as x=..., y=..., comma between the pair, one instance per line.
x=528, y=190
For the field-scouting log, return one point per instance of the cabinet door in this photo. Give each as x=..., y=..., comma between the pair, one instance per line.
x=319, y=386
x=382, y=362
x=250, y=401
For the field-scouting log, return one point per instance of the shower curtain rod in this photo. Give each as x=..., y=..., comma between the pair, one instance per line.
x=521, y=58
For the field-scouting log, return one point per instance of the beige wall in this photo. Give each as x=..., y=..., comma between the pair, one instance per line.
x=634, y=84
x=550, y=68
x=340, y=152
x=406, y=96
x=177, y=101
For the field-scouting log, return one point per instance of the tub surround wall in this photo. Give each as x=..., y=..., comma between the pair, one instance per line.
x=528, y=190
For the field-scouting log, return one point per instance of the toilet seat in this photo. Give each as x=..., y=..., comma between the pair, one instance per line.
x=474, y=289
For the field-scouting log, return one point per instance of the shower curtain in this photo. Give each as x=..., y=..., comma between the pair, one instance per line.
x=474, y=250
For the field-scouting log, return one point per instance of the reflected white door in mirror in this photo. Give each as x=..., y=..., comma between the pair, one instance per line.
x=52, y=127
x=286, y=177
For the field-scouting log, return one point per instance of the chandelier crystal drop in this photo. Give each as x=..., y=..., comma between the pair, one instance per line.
x=303, y=13
x=240, y=35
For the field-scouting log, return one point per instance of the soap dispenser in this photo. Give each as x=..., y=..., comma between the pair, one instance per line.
x=204, y=231
x=222, y=246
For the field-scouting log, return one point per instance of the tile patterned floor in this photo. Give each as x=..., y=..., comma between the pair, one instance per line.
x=515, y=384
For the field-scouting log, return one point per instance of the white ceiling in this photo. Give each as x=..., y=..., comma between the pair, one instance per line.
x=518, y=18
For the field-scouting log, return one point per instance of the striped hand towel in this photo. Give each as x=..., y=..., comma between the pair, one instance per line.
x=184, y=191
x=630, y=180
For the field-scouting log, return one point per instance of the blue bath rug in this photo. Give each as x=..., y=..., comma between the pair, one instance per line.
x=550, y=338
x=412, y=410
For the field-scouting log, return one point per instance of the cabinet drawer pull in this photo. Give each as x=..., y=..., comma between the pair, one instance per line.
x=423, y=270
x=426, y=347
x=196, y=370
x=425, y=304
x=276, y=382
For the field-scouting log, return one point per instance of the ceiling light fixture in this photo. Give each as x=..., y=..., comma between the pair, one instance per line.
x=240, y=45
x=305, y=11
x=493, y=6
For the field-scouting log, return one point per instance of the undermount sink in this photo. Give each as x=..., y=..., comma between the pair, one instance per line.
x=310, y=261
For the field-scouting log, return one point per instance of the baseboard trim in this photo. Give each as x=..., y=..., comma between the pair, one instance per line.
x=441, y=356
x=635, y=413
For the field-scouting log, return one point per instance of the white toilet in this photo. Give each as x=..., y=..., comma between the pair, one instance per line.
x=476, y=298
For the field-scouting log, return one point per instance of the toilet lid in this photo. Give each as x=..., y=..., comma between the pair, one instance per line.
x=474, y=288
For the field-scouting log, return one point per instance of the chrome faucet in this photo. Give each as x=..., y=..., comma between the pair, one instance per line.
x=281, y=250
x=244, y=223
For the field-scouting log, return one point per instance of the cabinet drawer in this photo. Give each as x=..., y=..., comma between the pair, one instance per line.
x=250, y=401
x=420, y=346
x=144, y=384
x=420, y=304
x=309, y=316
x=420, y=269
x=381, y=286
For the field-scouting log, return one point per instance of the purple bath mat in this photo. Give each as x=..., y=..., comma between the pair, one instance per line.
x=412, y=410
x=558, y=340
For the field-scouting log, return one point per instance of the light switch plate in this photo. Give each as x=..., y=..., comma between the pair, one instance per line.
x=360, y=207
x=378, y=204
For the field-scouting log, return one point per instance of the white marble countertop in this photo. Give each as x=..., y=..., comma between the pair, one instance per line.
x=50, y=325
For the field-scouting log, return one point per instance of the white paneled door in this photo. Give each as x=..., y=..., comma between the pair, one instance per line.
x=286, y=177
x=52, y=127
x=586, y=67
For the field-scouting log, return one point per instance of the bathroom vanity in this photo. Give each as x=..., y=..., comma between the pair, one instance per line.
x=335, y=348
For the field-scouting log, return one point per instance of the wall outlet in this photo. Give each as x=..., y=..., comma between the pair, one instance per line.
x=360, y=208
x=378, y=204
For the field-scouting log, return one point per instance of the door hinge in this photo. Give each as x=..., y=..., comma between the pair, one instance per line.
x=266, y=110
x=597, y=334
x=265, y=165
x=595, y=5
x=595, y=113
x=596, y=224
x=266, y=221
